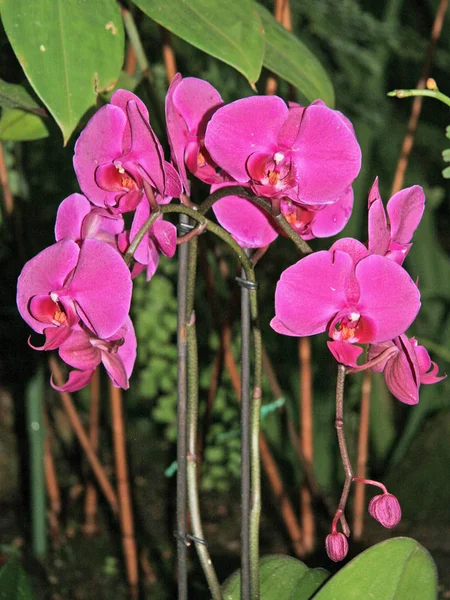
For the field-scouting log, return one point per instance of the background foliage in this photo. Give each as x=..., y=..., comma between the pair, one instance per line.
x=348, y=52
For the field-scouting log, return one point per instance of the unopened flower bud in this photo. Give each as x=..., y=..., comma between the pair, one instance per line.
x=337, y=546
x=385, y=508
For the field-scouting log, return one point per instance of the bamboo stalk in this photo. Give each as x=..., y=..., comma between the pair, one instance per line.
x=90, y=501
x=168, y=55
x=51, y=481
x=306, y=440
x=361, y=461
x=8, y=198
x=123, y=491
x=80, y=432
x=416, y=108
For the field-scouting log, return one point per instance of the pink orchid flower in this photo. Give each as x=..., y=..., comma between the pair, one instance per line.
x=116, y=151
x=78, y=220
x=348, y=292
x=65, y=284
x=252, y=227
x=190, y=104
x=308, y=155
x=84, y=351
x=391, y=229
x=405, y=369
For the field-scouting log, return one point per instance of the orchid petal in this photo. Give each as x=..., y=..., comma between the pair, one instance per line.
x=165, y=233
x=101, y=286
x=405, y=210
x=76, y=381
x=70, y=216
x=78, y=352
x=44, y=273
x=99, y=143
x=242, y=127
x=345, y=352
x=402, y=373
x=326, y=154
x=249, y=224
x=177, y=132
x=332, y=218
x=381, y=280
x=311, y=292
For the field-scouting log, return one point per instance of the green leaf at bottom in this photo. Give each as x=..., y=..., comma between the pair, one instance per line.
x=397, y=569
x=281, y=578
x=14, y=583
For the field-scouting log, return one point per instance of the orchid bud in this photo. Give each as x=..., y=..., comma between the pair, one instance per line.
x=337, y=546
x=385, y=508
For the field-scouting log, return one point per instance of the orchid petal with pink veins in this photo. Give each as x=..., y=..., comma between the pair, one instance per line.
x=190, y=103
x=45, y=273
x=326, y=154
x=345, y=352
x=99, y=143
x=388, y=295
x=76, y=381
x=165, y=235
x=332, y=218
x=311, y=292
x=242, y=128
x=405, y=210
x=101, y=287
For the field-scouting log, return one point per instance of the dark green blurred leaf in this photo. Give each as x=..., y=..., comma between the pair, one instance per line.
x=288, y=57
x=281, y=578
x=231, y=31
x=69, y=52
x=19, y=126
x=397, y=568
x=16, y=96
x=14, y=583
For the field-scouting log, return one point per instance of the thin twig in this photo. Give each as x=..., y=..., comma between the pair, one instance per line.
x=416, y=108
x=80, y=432
x=168, y=55
x=306, y=439
x=90, y=501
x=361, y=462
x=339, y=424
x=123, y=491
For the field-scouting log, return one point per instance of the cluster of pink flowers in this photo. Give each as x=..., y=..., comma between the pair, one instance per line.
x=361, y=294
x=77, y=292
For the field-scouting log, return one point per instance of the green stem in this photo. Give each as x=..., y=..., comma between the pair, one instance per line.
x=192, y=418
x=36, y=434
x=181, y=420
x=429, y=93
x=244, y=192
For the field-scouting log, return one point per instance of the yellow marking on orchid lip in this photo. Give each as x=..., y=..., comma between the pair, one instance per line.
x=60, y=317
x=273, y=177
x=128, y=182
x=201, y=160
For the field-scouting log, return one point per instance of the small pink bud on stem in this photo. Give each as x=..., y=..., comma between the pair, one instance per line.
x=385, y=508
x=337, y=546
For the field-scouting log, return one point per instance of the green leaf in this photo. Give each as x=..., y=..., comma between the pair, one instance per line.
x=446, y=155
x=230, y=30
x=447, y=131
x=399, y=568
x=69, y=52
x=446, y=173
x=14, y=583
x=19, y=126
x=289, y=58
x=16, y=96
x=281, y=578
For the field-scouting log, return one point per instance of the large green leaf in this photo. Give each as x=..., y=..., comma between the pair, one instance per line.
x=19, y=126
x=397, y=569
x=230, y=30
x=281, y=578
x=16, y=96
x=289, y=58
x=70, y=51
x=14, y=583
